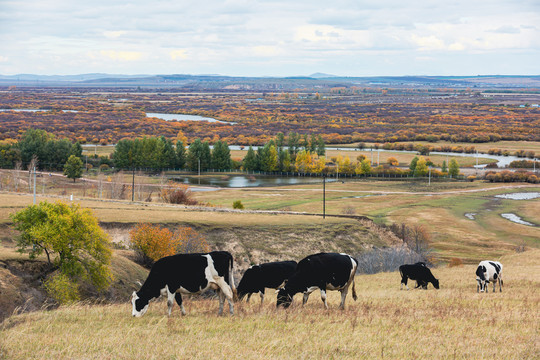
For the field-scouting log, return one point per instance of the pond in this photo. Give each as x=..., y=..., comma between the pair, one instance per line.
x=185, y=117
x=516, y=219
x=519, y=196
x=241, y=181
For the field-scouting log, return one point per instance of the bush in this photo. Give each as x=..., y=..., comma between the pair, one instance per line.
x=151, y=243
x=177, y=194
x=455, y=262
x=471, y=178
x=62, y=289
x=238, y=205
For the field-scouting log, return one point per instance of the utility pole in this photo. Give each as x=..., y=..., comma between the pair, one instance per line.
x=133, y=186
x=324, y=197
x=199, y=162
x=429, y=177
x=34, y=185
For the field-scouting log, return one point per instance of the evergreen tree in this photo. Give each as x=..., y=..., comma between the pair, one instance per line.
x=198, y=151
x=320, y=148
x=250, y=160
x=412, y=165
x=453, y=168
x=180, y=155
x=444, y=167
x=294, y=143
x=73, y=168
x=221, y=156
x=33, y=142
x=76, y=149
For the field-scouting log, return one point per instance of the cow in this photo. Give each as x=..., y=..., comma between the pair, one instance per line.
x=488, y=271
x=323, y=271
x=271, y=275
x=419, y=272
x=187, y=274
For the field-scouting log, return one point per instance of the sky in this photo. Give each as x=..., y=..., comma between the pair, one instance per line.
x=270, y=38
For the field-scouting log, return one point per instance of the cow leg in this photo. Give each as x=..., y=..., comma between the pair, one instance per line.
x=249, y=297
x=500, y=283
x=343, y=297
x=305, y=298
x=221, y=301
x=261, y=293
x=403, y=282
x=178, y=298
x=227, y=293
x=323, y=298
x=170, y=299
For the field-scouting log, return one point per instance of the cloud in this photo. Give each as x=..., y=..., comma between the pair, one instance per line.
x=507, y=29
x=178, y=54
x=265, y=51
x=121, y=55
x=3, y=58
x=113, y=34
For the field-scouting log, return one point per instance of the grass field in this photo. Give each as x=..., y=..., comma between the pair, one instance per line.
x=454, y=322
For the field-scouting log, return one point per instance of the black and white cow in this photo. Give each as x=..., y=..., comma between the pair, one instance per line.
x=419, y=272
x=488, y=271
x=187, y=274
x=323, y=271
x=271, y=275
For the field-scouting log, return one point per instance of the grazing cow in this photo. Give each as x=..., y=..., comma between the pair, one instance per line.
x=323, y=271
x=271, y=275
x=488, y=271
x=419, y=272
x=187, y=274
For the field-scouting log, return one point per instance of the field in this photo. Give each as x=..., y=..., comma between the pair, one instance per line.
x=454, y=322
x=441, y=207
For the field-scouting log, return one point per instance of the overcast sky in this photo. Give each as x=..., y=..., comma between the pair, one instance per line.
x=270, y=38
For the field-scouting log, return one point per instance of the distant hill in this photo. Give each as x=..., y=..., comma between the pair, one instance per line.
x=230, y=83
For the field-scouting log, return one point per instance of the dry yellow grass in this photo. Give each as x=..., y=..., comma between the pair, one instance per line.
x=451, y=323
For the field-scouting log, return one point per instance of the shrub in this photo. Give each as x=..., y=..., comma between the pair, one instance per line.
x=238, y=205
x=177, y=194
x=348, y=210
x=471, y=178
x=455, y=262
x=151, y=243
x=62, y=289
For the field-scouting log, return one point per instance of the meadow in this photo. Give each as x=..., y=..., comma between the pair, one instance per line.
x=454, y=322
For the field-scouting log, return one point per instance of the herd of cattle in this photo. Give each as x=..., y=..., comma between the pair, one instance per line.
x=180, y=274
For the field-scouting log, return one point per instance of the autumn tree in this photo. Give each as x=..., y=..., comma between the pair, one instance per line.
x=152, y=242
x=71, y=239
x=421, y=168
x=392, y=161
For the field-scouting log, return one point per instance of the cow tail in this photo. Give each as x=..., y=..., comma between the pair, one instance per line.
x=353, y=276
x=231, y=279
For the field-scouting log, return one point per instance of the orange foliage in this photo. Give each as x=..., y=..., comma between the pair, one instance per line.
x=153, y=242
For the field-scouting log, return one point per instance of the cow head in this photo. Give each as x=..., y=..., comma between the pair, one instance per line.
x=139, y=306
x=435, y=283
x=283, y=298
x=481, y=278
